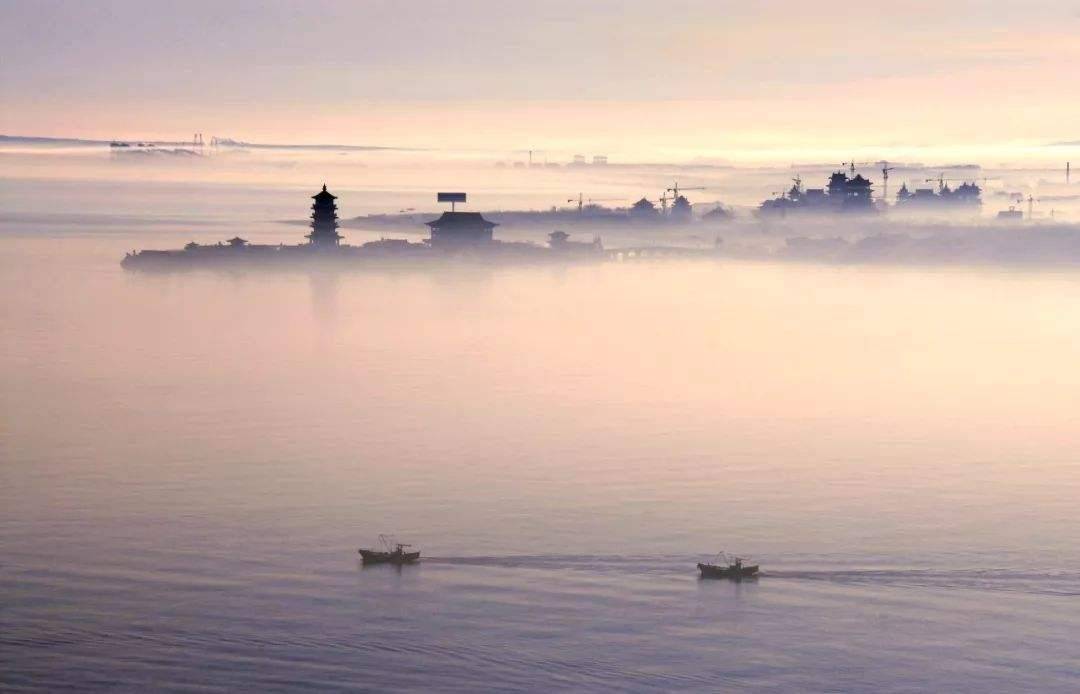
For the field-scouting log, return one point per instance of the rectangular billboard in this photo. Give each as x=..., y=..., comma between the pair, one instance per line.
x=451, y=197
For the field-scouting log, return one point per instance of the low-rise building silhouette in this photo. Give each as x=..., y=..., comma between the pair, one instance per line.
x=454, y=229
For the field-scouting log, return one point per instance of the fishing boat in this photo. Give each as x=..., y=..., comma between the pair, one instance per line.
x=732, y=569
x=391, y=553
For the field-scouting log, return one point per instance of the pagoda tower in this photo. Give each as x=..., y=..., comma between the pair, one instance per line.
x=324, y=219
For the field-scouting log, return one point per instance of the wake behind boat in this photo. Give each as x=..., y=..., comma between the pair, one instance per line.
x=733, y=570
x=392, y=553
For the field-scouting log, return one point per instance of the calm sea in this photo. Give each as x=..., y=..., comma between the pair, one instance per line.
x=188, y=464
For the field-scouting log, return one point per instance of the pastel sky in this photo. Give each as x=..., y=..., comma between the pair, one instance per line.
x=679, y=78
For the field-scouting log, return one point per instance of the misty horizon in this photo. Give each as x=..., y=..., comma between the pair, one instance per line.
x=725, y=80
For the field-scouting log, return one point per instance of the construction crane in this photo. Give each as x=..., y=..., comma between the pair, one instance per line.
x=852, y=164
x=662, y=200
x=581, y=200
x=530, y=153
x=1031, y=200
x=676, y=189
x=675, y=193
x=885, y=169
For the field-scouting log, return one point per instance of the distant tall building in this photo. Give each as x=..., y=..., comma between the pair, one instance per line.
x=324, y=220
x=599, y=160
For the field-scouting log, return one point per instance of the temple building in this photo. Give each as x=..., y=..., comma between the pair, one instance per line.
x=456, y=229
x=324, y=220
x=850, y=193
x=643, y=209
x=682, y=210
x=858, y=194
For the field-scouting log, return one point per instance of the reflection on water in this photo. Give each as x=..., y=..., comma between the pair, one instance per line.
x=189, y=463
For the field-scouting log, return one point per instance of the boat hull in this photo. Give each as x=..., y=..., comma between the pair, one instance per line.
x=371, y=556
x=729, y=572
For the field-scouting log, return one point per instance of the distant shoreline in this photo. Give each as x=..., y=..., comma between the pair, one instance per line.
x=224, y=142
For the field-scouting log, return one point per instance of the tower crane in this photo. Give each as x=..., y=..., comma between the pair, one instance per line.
x=1031, y=200
x=885, y=169
x=675, y=193
x=530, y=153
x=675, y=190
x=581, y=200
x=852, y=164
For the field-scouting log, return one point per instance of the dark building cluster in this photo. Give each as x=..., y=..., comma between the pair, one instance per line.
x=965, y=195
x=453, y=233
x=851, y=192
x=843, y=193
